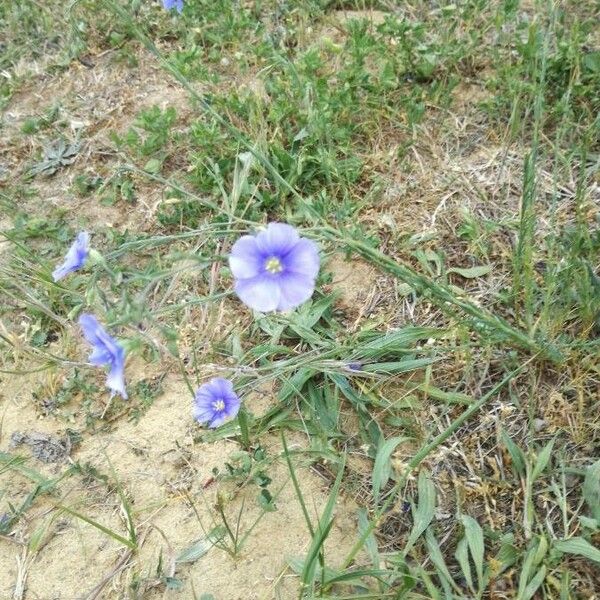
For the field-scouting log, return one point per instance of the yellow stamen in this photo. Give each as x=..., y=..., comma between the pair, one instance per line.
x=273, y=265
x=218, y=405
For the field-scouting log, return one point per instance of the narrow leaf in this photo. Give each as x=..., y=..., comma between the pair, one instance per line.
x=516, y=454
x=474, y=535
x=423, y=514
x=542, y=460
x=471, y=272
x=382, y=467
x=462, y=556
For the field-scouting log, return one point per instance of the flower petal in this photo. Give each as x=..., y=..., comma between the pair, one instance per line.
x=173, y=4
x=217, y=419
x=246, y=260
x=222, y=387
x=277, y=240
x=90, y=327
x=232, y=406
x=303, y=259
x=202, y=414
x=116, y=379
x=295, y=290
x=260, y=293
x=75, y=257
x=103, y=344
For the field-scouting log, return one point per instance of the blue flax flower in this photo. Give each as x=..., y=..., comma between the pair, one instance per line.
x=173, y=4
x=107, y=351
x=215, y=402
x=76, y=256
x=275, y=269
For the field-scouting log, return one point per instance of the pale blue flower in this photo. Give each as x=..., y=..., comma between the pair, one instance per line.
x=107, y=352
x=76, y=256
x=173, y=4
x=215, y=402
x=275, y=269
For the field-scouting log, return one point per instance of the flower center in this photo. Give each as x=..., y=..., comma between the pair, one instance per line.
x=218, y=405
x=273, y=265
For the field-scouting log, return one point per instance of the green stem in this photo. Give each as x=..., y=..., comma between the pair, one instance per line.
x=483, y=322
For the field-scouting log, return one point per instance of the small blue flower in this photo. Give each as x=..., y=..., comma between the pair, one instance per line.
x=173, y=4
x=76, y=256
x=274, y=270
x=215, y=402
x=107, y=351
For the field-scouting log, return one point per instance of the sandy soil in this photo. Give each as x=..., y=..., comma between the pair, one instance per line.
x=167, y=479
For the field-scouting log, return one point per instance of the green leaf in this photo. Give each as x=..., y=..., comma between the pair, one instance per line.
x=462, y=556
x=591, y=61
x=435, y=554
x=382, y=468
x=201, y=547
x=450, y=397
x=516, y=454
x=100, y=527
x=508, y=554
x=321, y=532
x=474, y=536
x=542, y=460
x=580, y=547
x=401, y=366
x=471, y=272
x=153, y=166
x=534, y=556
x=423, y=514
x=591, y=489
x=370, y=541
x=533, y=585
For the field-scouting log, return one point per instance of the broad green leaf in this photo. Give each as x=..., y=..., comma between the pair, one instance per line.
x=474, y=536
x=542, y=460
x=591, y=489
x=423, y=514
x=201, y=547
x=578, y=546
x=382, y=468
x=532, y=587
x=516, y=454
x=471, y=272
x=508, y=554
x=153, y=166
x=534, y=556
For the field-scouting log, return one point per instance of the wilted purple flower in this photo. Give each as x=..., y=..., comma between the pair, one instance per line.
x=107, y=351
x=76, y=256
x=215, y=402
x=275, y=269
x=354, y=366
x=173, y=4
